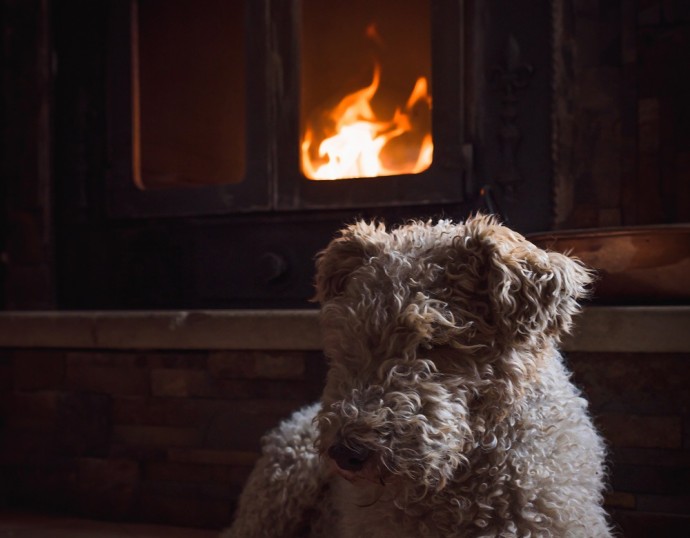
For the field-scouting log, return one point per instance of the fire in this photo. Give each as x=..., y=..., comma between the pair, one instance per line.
x=355, y=143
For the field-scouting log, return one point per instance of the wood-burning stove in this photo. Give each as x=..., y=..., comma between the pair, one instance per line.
x=214, y=185
x=213, y=100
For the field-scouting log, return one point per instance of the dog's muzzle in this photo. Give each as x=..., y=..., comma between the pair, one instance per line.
x=348, y=457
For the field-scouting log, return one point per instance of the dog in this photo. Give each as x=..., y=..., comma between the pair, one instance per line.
x=448, y=410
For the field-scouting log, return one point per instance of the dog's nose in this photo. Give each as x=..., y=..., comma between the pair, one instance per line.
x=349, y=458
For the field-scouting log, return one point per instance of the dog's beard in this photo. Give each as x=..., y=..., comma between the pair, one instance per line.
x=412, y=424
x=403, y=469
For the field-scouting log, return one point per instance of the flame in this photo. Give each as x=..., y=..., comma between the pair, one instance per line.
x=353, y=143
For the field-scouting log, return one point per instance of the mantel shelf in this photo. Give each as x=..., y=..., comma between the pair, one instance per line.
x=598, y=329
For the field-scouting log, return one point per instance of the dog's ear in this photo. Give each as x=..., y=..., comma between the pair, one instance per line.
x=344, y=255
x=532, y=293
x=536, y=293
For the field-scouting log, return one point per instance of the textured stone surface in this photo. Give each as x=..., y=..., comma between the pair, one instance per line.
x=250, y=365
x=39, y=369
x=26, y=525
x=641, y=431
x=161, y=436
x=170, y=436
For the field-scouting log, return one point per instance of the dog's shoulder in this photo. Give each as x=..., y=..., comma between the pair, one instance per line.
x=287, y=483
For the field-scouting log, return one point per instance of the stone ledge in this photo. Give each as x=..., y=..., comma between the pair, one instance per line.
x=598, y=329
x=197, y=329
x=631, y=329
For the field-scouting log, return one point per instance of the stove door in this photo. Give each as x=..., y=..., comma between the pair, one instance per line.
x=379, y=90
x=187, y=108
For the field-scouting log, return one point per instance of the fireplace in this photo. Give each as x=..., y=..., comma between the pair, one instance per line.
x=236, y=103
x=238, y=136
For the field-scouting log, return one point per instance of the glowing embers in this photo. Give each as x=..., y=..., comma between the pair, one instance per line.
x=352, y=140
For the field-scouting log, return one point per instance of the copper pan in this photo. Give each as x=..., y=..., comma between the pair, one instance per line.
x=635, y=264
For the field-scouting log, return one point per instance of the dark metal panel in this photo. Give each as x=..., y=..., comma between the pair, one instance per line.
x=26, y=180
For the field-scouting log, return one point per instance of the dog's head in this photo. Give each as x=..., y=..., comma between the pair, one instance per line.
x=432, y=332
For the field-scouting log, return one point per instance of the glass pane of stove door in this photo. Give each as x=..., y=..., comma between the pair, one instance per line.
x=189, y=93
x=365, y=88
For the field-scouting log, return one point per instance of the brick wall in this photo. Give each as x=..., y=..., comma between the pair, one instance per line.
x=170, y=436
x=155, y=436
x=641, y=402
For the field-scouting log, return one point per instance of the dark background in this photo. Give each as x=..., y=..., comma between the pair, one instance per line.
x=602, y=140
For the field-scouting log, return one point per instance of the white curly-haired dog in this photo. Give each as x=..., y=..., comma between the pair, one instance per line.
x=447, y=410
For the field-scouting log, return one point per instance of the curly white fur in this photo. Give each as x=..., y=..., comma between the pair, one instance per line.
x=445, y=377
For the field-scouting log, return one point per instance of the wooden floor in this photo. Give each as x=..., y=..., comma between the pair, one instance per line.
x=13, y=525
